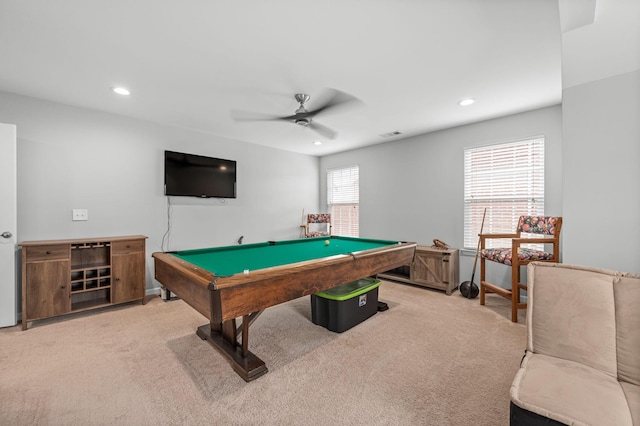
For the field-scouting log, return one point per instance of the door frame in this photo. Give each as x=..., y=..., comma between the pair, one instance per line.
x=8, y=224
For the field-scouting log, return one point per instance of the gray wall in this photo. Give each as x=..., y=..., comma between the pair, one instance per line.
x=70, y=158
x=413, y=189
x=601, y=145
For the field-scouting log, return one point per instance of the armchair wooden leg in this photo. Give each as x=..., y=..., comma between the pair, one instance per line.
x=515, y=290
x=482, y=278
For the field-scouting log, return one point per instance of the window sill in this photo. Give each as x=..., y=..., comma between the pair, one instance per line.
x=467, y=252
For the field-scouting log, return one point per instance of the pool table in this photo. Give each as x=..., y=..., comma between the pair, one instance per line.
x=227, y=283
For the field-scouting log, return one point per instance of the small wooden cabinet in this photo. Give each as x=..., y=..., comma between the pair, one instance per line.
x=126, y=258
x=64, y=276
x=431, y=267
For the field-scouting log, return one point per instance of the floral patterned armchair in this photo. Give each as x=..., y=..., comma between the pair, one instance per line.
x=548, y=230
x=315, y=223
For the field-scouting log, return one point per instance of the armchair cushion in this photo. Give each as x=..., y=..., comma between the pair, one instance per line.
x=313, y=234
x=569, y=392
x=505, y=255
x=573, y=316
x=632, y=393
x=627, y=320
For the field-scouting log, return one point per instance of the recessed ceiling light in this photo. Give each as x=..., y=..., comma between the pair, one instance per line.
x=317, y=143
x=467, y=102
x=121, y=91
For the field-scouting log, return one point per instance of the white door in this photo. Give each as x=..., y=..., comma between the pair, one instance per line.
x=8, y=225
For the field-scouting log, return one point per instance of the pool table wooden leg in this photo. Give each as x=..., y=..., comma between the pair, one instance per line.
x=223, y=337
x=245, y=335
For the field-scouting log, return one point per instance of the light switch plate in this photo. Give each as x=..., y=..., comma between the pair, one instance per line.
x=80, y=214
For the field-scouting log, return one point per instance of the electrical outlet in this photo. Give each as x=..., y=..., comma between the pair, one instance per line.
x=80, y=214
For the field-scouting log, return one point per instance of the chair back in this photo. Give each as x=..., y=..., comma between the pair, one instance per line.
x=586, y=315
x=319, y=218
x=545, y=225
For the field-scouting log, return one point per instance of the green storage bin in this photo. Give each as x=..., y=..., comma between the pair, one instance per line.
x=341, y=308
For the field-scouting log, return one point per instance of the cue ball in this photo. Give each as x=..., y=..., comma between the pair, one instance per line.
x=246, y=272
x=326, y=242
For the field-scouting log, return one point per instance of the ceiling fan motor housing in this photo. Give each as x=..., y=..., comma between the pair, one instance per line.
x=302, y=98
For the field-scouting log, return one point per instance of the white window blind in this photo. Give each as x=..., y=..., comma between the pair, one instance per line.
x=343, y=197
x=508, y=180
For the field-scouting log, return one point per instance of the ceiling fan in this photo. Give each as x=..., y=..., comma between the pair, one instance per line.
x=302, y=116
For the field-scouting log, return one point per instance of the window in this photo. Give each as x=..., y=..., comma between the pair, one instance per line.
x=508, y=180
x=343, y=196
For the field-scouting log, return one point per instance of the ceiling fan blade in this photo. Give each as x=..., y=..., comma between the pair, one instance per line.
x=331, y=99
x=323, y=130
x=297, y=116
x=253, y=116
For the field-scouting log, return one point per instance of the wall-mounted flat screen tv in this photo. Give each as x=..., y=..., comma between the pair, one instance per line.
x=190, y=175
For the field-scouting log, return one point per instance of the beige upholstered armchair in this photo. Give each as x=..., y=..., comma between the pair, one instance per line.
x=583, y=338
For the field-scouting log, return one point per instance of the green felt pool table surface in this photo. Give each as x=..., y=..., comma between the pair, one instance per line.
x=230, y=260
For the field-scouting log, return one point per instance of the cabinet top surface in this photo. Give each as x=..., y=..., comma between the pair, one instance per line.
x=436, y=250
x=82, y=240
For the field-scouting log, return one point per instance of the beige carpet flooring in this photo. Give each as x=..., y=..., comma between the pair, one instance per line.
x=430, y=359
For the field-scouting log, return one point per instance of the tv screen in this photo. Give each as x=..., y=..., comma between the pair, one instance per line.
x=190, y=175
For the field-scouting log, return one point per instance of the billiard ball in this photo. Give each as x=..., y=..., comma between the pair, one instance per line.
x=326, y=242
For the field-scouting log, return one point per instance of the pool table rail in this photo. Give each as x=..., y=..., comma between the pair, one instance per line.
x=189, y=282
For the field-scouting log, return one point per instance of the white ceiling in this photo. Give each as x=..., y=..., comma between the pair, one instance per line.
x=190, y=63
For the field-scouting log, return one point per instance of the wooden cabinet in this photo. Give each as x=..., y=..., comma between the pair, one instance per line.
x=64, y=276
x=47, y=283
x=431, y=267
x=126, y=258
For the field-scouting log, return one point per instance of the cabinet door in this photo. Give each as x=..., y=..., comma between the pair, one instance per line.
x=430, y=268
x=128, y=277
x=47, y=289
